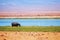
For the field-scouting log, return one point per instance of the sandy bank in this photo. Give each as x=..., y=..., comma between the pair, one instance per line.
x=34, y=17
x=29, y=35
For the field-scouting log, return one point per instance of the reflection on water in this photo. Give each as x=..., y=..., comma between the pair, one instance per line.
x=31, y=22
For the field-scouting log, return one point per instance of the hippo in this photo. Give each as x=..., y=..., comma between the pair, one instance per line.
x=15, y=24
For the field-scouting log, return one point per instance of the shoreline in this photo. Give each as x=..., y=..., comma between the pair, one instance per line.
x=35, y=17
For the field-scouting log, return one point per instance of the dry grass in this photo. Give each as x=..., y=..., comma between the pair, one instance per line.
x=11, y=35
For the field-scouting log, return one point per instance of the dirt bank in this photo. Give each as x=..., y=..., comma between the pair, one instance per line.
x=30, y=17
x=4, y=35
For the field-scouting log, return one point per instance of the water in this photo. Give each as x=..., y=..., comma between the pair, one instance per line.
x=31, y=22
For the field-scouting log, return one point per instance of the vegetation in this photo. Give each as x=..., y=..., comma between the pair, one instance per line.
x=31, y=28
x=29, y=18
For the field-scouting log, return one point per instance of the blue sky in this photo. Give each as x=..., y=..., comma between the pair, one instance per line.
x=29, y=5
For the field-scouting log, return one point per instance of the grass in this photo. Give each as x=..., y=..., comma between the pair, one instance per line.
x=32, y=28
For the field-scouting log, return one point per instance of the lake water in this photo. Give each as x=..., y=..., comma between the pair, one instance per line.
x=31, y=22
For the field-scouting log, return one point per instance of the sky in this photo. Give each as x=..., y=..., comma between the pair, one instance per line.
x=29, y=6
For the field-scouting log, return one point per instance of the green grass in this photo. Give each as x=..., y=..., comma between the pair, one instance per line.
x=32, y=28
